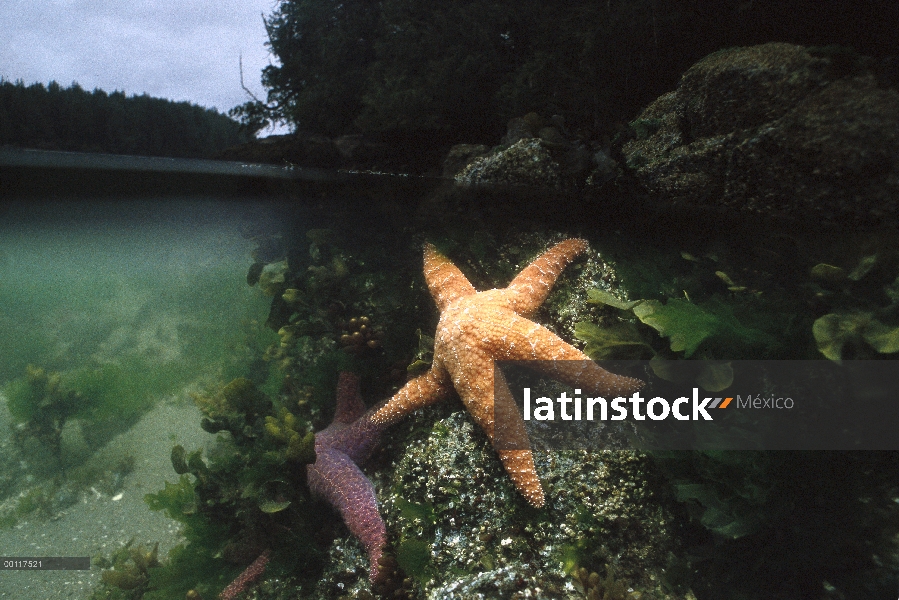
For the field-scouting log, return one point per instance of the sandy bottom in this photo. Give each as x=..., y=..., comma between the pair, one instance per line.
x=100, y=524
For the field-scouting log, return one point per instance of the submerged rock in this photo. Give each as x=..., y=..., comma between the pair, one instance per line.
x=775, y=129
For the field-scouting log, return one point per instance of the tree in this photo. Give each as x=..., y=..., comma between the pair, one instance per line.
x=58, y=118
x=325, y=48
x=461, y=69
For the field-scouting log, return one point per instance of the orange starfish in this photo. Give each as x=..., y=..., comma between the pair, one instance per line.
x=478, y=328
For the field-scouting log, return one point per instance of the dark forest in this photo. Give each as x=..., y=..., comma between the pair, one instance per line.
x=56, y=118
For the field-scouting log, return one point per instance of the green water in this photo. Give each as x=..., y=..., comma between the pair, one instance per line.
x=107, y=284
x=133, y=305
x=116, y=315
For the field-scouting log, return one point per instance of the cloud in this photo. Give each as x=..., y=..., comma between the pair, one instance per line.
x=176, y=49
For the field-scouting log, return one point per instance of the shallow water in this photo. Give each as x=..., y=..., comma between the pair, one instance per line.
x=141, y=303
x=152, y=296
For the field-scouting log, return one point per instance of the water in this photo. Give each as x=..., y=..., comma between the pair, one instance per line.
x=141, y=304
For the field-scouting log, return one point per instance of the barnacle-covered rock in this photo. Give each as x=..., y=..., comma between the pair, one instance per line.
x=460, y=155
x=526, y=162
x=775, y=129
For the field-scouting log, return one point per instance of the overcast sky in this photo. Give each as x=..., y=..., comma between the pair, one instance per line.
x=175, y=49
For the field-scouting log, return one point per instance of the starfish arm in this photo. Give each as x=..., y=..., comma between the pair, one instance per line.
x=473, y=377
x=426, y=389
x=519, y=464
x=516, y=453
x=588, y=376
x=531, y=287
x=337, y=479
x=358, y=440
x=525, y=340
x=349, y=399
x=445, y=280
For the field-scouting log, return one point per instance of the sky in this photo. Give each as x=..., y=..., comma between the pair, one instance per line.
x=183, y=50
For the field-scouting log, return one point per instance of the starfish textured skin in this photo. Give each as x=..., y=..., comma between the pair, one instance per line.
x=335, y=475
x=478, y=328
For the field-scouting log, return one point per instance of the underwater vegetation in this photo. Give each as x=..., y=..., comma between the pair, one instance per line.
x=244, y=501
x=266, y=446
x=104, y=400
x=866, y=303
x=250, y=498
x=685, y=324
x=834, y=331
x=688, y=326
x=129, y=567
x=775, y=307
x=624, y=524
x=765, y=509
x=595, y=587
x=58, y=421
x=336, y=305
x=40, y=407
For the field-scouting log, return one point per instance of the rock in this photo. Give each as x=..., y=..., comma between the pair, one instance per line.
x=485, y=542
x=774, y=129
x=605, y=169
x=460, y=155
x=576, y=161
x=526, y=162
x=552, y=137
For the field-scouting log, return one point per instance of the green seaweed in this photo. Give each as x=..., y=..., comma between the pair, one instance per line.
x=728, y=517
x=414, y=556
x=131, y=567
x=617, y=341
x=424, y=356
x=241, y=499
x=177, y=500
x=413, y=552
x=186, y=569
x=710, y=375
x=727, y=492
x=41, y=406
x=413, y=511
x=687, y=325
x=834, y=331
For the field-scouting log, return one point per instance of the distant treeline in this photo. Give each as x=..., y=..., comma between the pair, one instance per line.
x=74, y=119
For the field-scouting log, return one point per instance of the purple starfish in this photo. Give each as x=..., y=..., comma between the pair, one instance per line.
x=335, y=476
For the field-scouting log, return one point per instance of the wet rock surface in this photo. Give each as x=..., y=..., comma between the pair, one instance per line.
x=775, y=129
